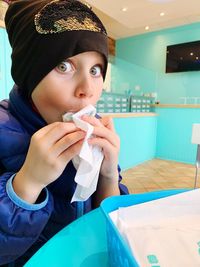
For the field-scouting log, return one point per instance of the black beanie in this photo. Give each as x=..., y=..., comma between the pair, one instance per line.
x=43, y=33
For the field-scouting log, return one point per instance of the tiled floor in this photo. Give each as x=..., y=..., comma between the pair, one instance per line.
x=159, y=174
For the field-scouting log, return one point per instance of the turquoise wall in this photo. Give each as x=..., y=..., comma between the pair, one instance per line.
x=145, y=54
x=125, y=76
x=138, y=140
x=6, y=82
x=149, y=52
x=174, y=132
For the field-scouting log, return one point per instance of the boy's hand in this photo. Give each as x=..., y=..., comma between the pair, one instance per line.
x=106, y=138
x=50, y=150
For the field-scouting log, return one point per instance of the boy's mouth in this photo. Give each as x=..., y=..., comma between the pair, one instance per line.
x=87, y=110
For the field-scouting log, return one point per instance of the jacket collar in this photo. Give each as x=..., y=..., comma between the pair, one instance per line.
x=24, y=111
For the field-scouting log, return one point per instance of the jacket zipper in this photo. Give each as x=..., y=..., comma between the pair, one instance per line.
x=79, y=209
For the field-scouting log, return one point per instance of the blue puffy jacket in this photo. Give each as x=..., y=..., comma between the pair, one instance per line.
x=25, y=227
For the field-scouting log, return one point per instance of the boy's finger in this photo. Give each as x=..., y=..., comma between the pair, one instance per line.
x=92, y=120
x=55, y=131
x=108, y=123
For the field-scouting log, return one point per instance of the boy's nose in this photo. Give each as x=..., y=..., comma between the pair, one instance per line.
x=84, y=88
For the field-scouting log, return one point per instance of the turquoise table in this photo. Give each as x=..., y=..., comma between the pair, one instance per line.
x=80, y=244
x=83, y=242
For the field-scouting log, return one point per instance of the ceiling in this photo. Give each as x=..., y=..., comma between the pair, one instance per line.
x=142, y=13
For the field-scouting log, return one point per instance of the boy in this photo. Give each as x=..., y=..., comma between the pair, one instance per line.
x=59, y=61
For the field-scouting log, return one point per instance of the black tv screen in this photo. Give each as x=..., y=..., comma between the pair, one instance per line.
x=183, y=57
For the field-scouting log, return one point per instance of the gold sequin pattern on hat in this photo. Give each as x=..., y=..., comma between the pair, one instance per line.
x=69, y=24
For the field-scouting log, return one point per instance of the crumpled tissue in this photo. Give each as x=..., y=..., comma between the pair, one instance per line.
x=90, y=158
x=163, y=232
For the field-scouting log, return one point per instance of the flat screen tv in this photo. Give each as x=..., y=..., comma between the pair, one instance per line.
x=183, y=57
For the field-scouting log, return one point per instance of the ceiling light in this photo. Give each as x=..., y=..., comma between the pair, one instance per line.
x=147, y=28
x=162, y=14
x=191, y=54
x=124, y=9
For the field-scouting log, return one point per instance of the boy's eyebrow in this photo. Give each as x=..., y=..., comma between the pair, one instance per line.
x=98, y=62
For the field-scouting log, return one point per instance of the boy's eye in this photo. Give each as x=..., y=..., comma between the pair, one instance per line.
x=64, y=66
x=96, y=71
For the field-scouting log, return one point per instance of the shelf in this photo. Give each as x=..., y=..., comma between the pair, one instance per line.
x=129, y=114
x=176, y=105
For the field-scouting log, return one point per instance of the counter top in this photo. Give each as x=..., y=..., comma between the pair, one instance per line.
x=129, y=114
x=176, y=105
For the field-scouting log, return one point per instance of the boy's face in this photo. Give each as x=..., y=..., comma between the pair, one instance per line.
x=72, y=85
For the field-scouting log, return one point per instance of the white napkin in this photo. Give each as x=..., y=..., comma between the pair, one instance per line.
x=89, y=160
x=163, y=232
